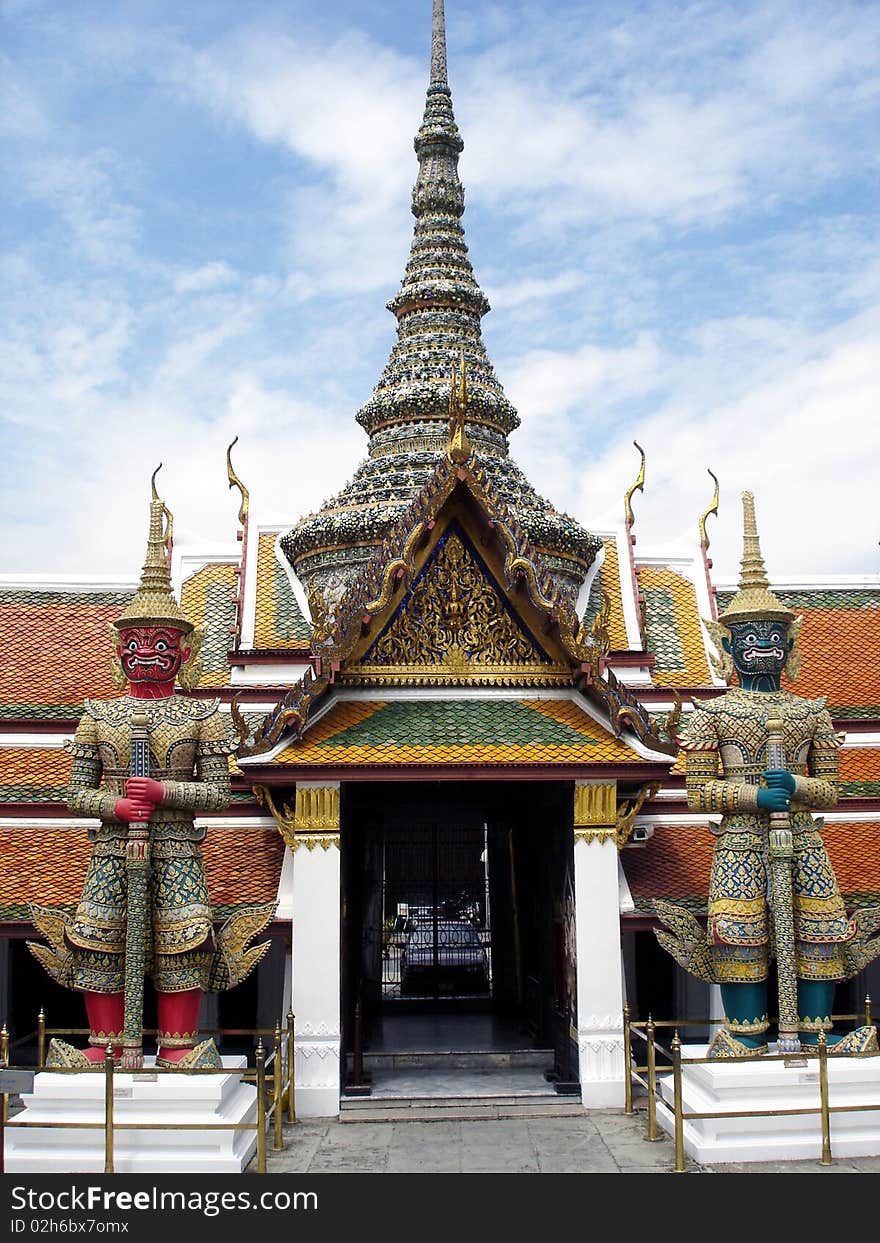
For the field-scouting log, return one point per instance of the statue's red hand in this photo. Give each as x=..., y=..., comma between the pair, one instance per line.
x=133, y=810
x=145, y=790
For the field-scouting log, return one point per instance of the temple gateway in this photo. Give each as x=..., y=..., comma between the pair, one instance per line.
x=455, y=715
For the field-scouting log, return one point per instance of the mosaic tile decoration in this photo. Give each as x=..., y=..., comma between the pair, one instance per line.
x=438, y=732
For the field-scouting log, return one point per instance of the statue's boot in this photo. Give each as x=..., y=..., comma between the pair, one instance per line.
x=106, y=1015
x=178, y=1032
x=745, y=1029
x=815, y=1002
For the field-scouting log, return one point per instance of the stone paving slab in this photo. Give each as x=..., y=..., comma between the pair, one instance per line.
x=599, y=1142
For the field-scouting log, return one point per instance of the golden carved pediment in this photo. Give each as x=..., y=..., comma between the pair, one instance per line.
x=455, y=624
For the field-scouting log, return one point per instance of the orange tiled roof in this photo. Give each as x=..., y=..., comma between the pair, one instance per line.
x=206, y=598
x=437, y=732
x=55, y=652
x=841, y=659
x=38, y=774
x=677, y=860
x=673, y=632
x=39, y=863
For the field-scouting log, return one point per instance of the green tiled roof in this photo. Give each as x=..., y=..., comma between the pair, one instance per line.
x=820, y=599
x=40, y=712
x=24, y=596
x=438, y=724
x=859, y=789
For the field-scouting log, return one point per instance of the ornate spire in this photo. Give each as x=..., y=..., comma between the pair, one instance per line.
x=438, y=45
x=153, y=603
x=754, y=599
x=439, y=304
x=438, y=308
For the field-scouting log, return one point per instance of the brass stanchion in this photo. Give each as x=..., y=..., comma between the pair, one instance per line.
x=291, y=1069
x=627, y=1062
x=4, y=1057
x=869, y=1022
x=823, y=1099
x=680, y=1166
x=41, y=1039
x=108, y=1109
x=653, y=1134
x=260, y=1058
x=278, y=1068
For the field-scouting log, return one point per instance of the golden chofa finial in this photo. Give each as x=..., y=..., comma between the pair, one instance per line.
x=713, y=509
x=638, y=486
x=235, y=482
x=459, y=448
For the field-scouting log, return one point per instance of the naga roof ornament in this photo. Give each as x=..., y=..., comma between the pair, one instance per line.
x=438, y=307
x=754, y=599
x=153, y=603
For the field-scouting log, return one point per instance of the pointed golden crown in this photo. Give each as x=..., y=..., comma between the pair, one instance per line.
x=754, y=600
x=153, y=603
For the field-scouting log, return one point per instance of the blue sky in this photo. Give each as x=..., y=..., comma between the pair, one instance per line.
x=672, y=208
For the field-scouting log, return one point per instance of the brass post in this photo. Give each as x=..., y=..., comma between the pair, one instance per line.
x=277, y=1141
x=260, y=1057
x=4, y=1056
x=680, y=1166
x=823, y=1099
x=627, y=1061
x=41, y=1039
x=653, y=1134
x=869, y=1022
x=291, y=1069
x=108, y=1109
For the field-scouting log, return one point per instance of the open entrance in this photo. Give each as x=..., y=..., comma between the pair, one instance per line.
x=458, y=928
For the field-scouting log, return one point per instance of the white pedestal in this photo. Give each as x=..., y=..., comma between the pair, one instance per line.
x=168, y=1099
x=722, y=1086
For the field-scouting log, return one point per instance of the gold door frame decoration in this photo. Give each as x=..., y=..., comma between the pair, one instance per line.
x=313, y=820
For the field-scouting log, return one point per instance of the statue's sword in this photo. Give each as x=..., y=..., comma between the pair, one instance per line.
x=137, y=871
x=780, y=856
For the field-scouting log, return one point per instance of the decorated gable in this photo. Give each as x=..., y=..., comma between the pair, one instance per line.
x=456, y=621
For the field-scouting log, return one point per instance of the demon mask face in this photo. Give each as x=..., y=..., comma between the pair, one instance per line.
x=759, y=647
x=151, y=654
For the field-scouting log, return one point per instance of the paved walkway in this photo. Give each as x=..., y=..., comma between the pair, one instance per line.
x=597, y=1142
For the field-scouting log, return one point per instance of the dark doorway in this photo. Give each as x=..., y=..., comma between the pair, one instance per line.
x=454, y=915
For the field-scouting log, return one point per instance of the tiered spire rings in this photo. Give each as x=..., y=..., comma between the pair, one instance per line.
x=438, y=309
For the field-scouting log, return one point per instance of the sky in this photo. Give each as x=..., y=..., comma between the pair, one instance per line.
x=672, y=208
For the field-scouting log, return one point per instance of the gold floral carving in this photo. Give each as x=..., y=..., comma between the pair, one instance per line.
x=313, y=820
x=455, y=623
x=595, y=806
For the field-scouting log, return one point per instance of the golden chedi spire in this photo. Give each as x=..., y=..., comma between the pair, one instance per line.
x=754, y=599
x=154, y=603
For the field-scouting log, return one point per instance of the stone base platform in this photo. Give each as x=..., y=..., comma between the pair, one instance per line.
x=722, y=1086
x=138, y=1098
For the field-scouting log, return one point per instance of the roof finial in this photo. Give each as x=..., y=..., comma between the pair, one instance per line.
x=639, y=486
x=438, y=45
x=713, y=509
x=235, y=482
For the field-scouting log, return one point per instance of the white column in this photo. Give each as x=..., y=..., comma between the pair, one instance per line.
x=599, y=974
x=315, y=951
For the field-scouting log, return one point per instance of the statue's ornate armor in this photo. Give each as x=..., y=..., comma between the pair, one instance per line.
x=725, y=741
x=189, y=750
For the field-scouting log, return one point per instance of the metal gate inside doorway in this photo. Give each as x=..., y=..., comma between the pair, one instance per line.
x=436, y=921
